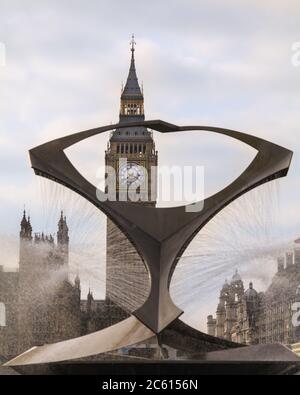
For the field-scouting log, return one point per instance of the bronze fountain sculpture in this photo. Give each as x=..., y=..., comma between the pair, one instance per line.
x=160, y=236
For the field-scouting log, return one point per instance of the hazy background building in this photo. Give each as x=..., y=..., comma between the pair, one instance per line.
x=39, y=303
x=266, y=317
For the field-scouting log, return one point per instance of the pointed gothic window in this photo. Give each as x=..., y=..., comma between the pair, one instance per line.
x=2, y=314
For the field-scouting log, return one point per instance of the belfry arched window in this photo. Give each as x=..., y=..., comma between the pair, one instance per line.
x=2, y=314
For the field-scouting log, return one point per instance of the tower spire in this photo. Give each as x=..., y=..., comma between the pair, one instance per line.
x=132, y=90
x=132, y=44
x=132, y=99
x=26, y=229
x=63, y=230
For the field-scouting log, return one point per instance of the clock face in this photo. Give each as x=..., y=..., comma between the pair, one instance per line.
x=131, y=174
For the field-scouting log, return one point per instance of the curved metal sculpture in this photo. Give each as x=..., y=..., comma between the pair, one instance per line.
x=160, y=235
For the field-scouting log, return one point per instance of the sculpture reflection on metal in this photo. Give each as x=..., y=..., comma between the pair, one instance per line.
x=160, y=235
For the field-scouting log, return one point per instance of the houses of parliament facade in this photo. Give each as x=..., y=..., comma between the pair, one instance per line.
x=38, y=303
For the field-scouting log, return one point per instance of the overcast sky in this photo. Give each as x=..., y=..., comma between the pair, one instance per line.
x=223, y=63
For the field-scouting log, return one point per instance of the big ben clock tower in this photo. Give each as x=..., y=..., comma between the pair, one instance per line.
x=131, y=152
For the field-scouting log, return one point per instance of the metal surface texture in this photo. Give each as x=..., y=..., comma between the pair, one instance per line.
x=160, y=235
x=125, y=333
x=129, y=332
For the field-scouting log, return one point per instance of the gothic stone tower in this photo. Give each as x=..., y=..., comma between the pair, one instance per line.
x=49, y=305
x=131, y=153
